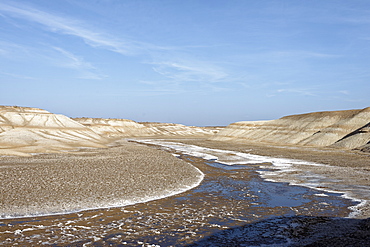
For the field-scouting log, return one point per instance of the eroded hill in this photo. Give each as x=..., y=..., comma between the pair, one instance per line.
x=348, y=129
x=25, y=130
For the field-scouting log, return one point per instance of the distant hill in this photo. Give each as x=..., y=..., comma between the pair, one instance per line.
x=348, y=129
x=25, y=130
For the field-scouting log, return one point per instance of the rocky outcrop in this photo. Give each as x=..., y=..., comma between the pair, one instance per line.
x=341, y=129
x=25, y=130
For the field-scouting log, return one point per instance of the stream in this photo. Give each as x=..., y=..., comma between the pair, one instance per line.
x=229, y=196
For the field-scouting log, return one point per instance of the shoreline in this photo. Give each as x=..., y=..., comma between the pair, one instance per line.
x=98, y=208
x=328, y=173
x=142, y=200
x=229, y=201
x=268, y=172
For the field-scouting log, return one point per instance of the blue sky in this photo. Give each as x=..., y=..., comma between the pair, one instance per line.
x=200, y=63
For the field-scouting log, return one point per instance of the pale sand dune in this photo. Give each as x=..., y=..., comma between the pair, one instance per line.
x=341, y=129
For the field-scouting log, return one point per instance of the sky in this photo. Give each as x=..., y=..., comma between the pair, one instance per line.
x=194, y=62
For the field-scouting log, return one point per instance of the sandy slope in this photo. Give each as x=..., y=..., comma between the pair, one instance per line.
x=341, y=129
x=180, y=130
x=114, y=127
x=128, y=128
x=26, y=130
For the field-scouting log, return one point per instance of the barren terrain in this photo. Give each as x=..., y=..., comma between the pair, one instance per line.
x=121, y=175
x=346, y=170
x=51, y=164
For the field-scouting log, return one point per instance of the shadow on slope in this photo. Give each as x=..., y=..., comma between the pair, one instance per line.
x=294, y=231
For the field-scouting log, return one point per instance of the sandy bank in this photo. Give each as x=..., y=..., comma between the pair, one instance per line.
x=95, y=178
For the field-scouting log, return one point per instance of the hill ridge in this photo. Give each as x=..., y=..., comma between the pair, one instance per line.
x=347, y=129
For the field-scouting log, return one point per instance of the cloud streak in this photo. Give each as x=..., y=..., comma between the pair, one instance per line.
x=17, y=76
x=58, y=24
x=189, y=72
x=302, y=91
x=297, y=91
x=85, y=69
x=164, y=60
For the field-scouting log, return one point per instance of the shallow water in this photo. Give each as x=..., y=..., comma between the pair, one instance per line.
x=229, y=196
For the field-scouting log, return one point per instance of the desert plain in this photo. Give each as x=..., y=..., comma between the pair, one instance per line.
x=56, y=170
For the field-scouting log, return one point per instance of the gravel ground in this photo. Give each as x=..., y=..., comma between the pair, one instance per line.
x=92, y=178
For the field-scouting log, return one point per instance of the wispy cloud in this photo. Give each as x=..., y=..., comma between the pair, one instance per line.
x=345, y=92
x=85, y=69
x=297, y=91
x=69, y=26
x=294, y=55
x=165, y=60
x=189, y=72
x=17, y=76
x=12, y=50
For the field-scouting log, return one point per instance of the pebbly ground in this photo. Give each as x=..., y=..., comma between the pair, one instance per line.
x=124, y=174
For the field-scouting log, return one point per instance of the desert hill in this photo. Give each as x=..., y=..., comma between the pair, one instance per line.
x=114, y=128
x=25, y=130
x=170, y=129
x=340, y=129
x=127, y=128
